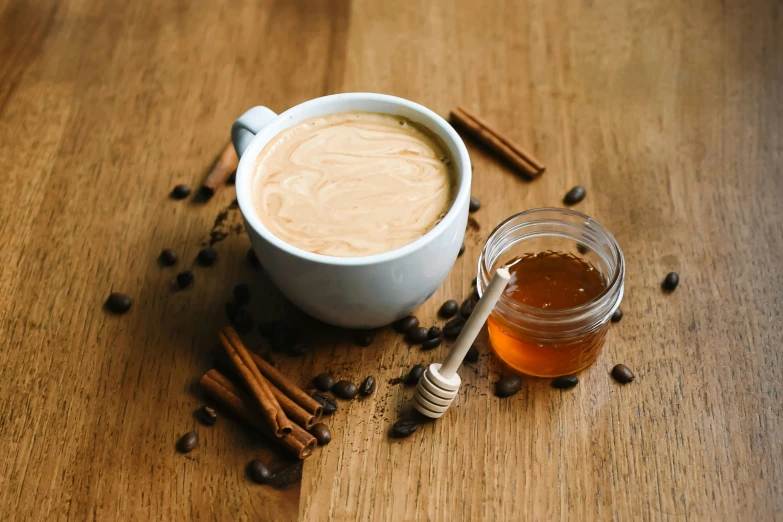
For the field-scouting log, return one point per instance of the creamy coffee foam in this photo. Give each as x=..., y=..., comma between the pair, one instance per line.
x=353, y=183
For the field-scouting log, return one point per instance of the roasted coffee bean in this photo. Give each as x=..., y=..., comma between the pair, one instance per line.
x=475, y=294
x=207, y=256
x=461, y=250
x=232, y=179
x=622, y=374
x=364, y=337
x=473, y=283
x=575, y=195
x=433, y=332
x=430, y=344
x=258, y=472
x=448, y=309
x=564, y=382
x=298, y=349
x=416, y=335
x=323, y=381
x=405, y=324
x=232, y=309
x=207, y=416
x=252, y=258
x=415, y=374
x=472, y=355
x=243, y=321
x=118, y=303
x=474, y=205
x=453, y=328
x=184, y=278
x=242, y=293
x=467, y=307
x=345, y=390
x=321, y=433
x=671, y=281
x=404, y=428
x=508, y=385
x=368, y=386
x=180, y=192
x=188, y=442
x=617, y=315
x=168, y=257
x=581, y=248
x=282, y=337
x=327, y=401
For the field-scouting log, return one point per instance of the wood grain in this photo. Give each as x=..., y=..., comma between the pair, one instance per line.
x=669, y=113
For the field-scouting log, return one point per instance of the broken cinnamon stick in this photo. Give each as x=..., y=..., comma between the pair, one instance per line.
x=221, y=171
x=499, y=143
x=255, y=382
x=294, y=392
x=298, y=442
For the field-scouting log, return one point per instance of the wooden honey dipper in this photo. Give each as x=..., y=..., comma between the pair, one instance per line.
x=439, y=385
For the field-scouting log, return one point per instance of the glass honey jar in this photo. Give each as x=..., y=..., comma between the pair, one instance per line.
x=567, y=279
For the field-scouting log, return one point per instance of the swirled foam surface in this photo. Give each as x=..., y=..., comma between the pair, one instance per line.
x=353, y=183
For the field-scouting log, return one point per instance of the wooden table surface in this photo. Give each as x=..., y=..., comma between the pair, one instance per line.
x=669, y=113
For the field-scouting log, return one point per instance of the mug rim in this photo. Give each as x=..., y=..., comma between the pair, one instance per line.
x=244, y=178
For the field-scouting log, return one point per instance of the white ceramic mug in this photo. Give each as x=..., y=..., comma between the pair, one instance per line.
x=353, y=292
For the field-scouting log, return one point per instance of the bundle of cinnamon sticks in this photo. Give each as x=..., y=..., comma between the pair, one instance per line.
x=271, y=403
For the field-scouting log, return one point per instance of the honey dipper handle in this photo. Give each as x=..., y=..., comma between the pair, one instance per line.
x=476, y=320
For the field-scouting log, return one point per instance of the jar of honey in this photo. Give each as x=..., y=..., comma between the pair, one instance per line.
x=567, y=275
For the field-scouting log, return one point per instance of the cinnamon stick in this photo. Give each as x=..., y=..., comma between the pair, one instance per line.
x=294, y=392
x=299, y=442
x=499, y=143
x=255, y=382
x=225, y=165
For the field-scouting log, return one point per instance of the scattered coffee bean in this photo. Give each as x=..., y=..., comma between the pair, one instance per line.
x=180, y=192
x=368, y=386
x=671, y=281
x=453, y=328
x=581, y=248
x=622, y=374
x=207, y=416
x=184, y=278
x=232, y=179
x=430, y=344
x=416, y=335
x=404, y=428
x=475, y=294
x=188, y=442
x=207, y=256
x=365, y=337
x=323, y=381
x=327, y=401
x=433, y=332
x=282, y=337
x=242, y=293
x=168, y=257
x=467, y=307
x=448, y=309
x=405, y=324
x=508, y=385
x=252, y=258
x=345, y=390
x=258, y=472
x=298, y=349
x=575, y=195
x=232, y=309
x=243, y=321
x=617, y=315
x=474, y=205
x=321, y=433
x=473, y=283
x=118, y=303
x=461, y=250
x=564, y=382
x=472, y=355
x=415, y=374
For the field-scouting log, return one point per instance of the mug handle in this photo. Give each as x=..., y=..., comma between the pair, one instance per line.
x=248, y=125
